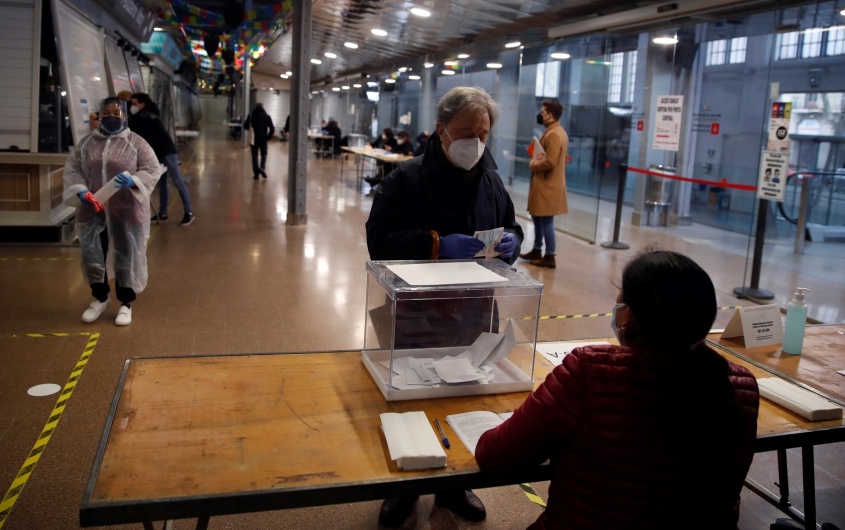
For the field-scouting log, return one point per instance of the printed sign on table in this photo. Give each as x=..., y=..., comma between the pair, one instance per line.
x=759, y=325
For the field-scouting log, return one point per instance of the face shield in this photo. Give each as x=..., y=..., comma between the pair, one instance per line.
x=112, y=116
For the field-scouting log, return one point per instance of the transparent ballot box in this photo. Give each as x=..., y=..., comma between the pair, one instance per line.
x=450, y=328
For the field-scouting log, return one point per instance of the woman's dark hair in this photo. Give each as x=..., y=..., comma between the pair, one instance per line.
x=672, y=298
x=389, y=133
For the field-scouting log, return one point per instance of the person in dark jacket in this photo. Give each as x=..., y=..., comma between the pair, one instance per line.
x=422, y=138
x=144, y=121
x=403, y=144
x=261, y=126
x=428, y=208
x=657, y=433
x=333, y=129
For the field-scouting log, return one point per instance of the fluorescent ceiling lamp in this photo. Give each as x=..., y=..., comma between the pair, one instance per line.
x=158, y=29
x=513, y=44
x=665, y=40
x=448, y=72
x=428, y=65
x=420, y=12
x=403, y=69
x=379, y=32
x=451, y=63
x=330, y=55
x=389, y=80
x=351, y=45
x=413, y=77
x=463, y=56
x=494, y=65
x=345, y=87
x=335, y=89
x=288, y=73
x=372, y=83
x=560, y=55
x=283, y=76
x=356, y=85
x=316, y=61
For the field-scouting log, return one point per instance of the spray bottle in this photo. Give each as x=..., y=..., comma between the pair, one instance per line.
x=796, y=320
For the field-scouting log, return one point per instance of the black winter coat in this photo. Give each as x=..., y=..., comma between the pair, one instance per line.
x=429, y=193
x=149, y=127
x=261, y=124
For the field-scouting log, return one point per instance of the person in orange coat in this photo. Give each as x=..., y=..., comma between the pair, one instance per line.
x=547, y=191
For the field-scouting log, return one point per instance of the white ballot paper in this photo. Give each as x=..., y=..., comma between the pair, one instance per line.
x=799, y=400
x=469, y=426
x=445, y=273
x=490, y=238
x=411, y=441
x=556, y=351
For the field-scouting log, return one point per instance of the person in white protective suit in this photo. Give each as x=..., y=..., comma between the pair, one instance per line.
x=113, y=234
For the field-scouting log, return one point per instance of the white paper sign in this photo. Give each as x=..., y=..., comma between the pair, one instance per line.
x=667, y=123
x=772, y=180
x=556, y=351
x=758, y=325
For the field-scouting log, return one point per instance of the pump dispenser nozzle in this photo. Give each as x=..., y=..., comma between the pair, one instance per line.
x=799, y=293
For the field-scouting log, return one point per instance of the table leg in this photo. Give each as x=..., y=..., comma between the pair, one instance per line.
x=809, y=471
x=783, y=480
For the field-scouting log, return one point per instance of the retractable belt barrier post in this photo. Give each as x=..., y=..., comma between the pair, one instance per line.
x=620, y=196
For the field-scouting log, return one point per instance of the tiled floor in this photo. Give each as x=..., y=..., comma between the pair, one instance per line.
x=240, y=280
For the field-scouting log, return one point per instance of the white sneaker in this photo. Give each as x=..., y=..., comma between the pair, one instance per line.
x=124, y=316
x=94, y=311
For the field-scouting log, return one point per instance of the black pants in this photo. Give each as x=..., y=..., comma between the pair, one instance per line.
x=256, y=167
x=100, y=291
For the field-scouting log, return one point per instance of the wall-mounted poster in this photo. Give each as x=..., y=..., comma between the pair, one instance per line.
x=667, y=123
x=83, y=68
x=779, y=127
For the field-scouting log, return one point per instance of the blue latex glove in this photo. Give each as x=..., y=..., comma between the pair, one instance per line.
x=507, y=245
x=459, y=246
x=82, y=197
x=123, y=180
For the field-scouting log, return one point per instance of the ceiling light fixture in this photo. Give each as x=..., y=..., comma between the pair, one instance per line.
x=448, y=72
x=463, y=56
x=289, y=73
x=283, y=76
x=665, y=41
x=351, y=45
x=428, y=65
x=330, y=55
x=413, y=77
x=158, y=29
x=345, y=87
x=316, y=61
x=560, y=55
x=494, y=65
x=389, y=80
x=451, y=63
x=420, y=12
x=513, y=44
x=356, y=85
x=372, y=83
x=379, y=32
x=403, y=69
x=335, y=89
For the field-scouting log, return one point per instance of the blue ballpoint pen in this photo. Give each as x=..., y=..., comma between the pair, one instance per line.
x=442, y=436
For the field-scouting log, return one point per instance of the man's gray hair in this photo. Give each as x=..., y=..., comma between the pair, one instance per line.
x=471, y=98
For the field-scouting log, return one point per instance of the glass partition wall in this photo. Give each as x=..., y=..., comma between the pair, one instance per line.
x=693, y=184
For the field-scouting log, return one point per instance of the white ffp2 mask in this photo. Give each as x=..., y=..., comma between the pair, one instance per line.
x=465, y=153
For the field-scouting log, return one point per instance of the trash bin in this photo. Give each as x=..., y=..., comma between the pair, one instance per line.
x=658, y=196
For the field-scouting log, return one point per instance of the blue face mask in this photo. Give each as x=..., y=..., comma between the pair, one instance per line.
x=111, y=125
x=613, y=325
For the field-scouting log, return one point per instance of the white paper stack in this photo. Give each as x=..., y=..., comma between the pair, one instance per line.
x=799, y=400
x=411, y=441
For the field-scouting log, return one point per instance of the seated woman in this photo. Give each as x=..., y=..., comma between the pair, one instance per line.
x=656, y=433
x=388, y=143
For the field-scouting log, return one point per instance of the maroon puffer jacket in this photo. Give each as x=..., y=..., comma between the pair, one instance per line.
x=631, y=446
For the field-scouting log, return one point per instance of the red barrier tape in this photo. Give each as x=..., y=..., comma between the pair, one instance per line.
x=723, y=184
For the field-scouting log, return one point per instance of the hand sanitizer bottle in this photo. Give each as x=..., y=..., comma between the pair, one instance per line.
x=796, y=320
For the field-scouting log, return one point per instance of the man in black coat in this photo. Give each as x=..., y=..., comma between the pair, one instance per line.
x=261, y=125
x=429, y=208
x=144, y=121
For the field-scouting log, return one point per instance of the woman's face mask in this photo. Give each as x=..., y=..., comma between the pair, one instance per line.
x=400, y=141
x=465, y=153
x=613, y=324
x=112, y=119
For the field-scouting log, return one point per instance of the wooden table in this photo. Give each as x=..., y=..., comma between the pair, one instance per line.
x=375, y=154
x=318, y=139
x=202, y=436
x=778, y=429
